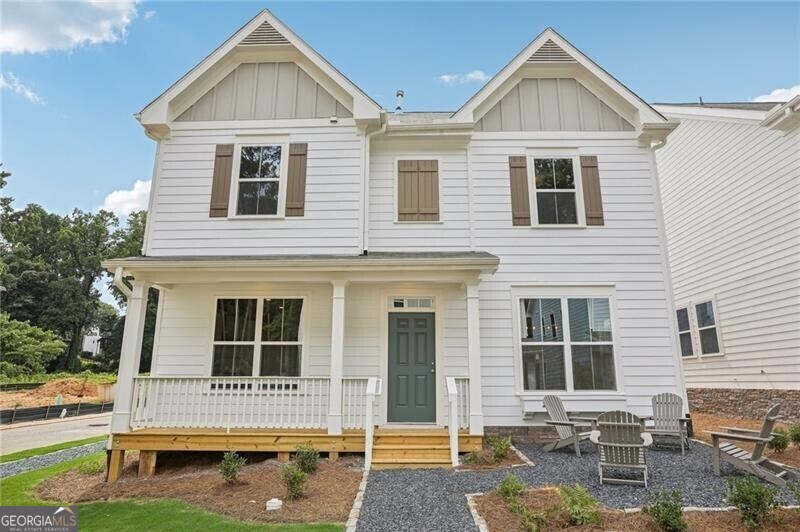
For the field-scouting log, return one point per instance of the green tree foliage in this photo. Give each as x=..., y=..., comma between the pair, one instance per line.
x=51, y=268
x=26, y=349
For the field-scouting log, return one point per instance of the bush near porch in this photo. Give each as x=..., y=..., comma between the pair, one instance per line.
x=194, y=478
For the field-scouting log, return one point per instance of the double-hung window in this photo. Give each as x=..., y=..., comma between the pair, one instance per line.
x=685, y=332
x=707, y=328
x=258, y=337
x=555, y=182
x=259, y=179
x=561, y=331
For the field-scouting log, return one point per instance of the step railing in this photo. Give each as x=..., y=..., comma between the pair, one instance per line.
x=230, y=402
x=373, y=391
x=354, y=402
x=462, y=387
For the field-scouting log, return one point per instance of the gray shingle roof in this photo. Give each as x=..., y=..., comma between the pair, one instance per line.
x=751, y=106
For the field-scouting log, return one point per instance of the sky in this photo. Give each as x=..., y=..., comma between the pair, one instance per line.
x=73, y=74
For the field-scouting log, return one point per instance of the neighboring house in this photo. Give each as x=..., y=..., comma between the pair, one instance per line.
x=730, y=180
x=91, y=342
x=328, y=266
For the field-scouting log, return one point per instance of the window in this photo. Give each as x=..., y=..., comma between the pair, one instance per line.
x=588, y=342
x=259, y=180
x=279, y=337
x=555, y=191
x=685, y=332
x=707, y=328
x=412, y=302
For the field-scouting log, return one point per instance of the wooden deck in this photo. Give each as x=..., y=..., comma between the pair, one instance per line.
x=406, y=447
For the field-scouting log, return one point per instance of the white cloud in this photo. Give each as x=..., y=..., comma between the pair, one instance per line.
x=779, y=95
x=8, y=81
x=149, y=14
x=36, y=27
x=124, y=202
x=475, y=76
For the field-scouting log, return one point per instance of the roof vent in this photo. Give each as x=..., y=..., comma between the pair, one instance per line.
x=264, y=35
x=550, y=52
x=398, y=110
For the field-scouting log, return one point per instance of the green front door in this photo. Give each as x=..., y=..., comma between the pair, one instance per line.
x=412, y=367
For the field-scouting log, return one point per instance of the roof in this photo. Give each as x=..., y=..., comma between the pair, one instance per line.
x=753, y=106
x=425, y=259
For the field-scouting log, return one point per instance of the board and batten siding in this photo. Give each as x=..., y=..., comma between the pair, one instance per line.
x=731, y=192
x=180, y=214
x=626, y=252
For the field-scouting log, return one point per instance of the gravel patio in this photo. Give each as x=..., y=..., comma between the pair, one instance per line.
x=434, y=499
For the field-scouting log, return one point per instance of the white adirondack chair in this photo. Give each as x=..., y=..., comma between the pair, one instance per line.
x=566, y=427
x=621, y=442
x=668, y=418
x=752, y=462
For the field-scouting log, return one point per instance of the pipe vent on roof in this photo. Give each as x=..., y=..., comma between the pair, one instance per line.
x=550, y=52
x=264, y=35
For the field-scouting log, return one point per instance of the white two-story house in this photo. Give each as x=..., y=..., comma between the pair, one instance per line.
x=326, y=267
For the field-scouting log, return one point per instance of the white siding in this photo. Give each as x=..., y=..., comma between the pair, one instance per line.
x=626, y=252
x=731, y=194
x=450, y=233
x=180, y=219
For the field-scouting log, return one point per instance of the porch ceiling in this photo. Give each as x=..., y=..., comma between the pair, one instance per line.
x=375, y=267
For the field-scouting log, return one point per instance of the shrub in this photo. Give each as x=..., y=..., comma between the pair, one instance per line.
x=230, y=466
x=500, y=446
x=92, y=467
x=665, y=509
x=306, y=457
x=779, y=441
x=531, y=521
x=511, y=487
x=294, y=479
x=794, y=434
x=26, y=349
x=753, y=500
x=579, y=504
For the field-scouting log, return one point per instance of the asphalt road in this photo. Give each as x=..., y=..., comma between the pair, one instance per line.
x=20, y=437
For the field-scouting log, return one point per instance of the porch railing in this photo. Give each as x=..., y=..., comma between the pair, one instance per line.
x=457, y=411
x=354, y=402
x=230, y=402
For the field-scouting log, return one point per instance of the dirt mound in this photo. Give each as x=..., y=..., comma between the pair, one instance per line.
x=71, y=390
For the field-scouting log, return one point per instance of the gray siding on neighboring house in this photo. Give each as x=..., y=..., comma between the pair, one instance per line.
x=731, y=191
x=551, y=104
x=265, y=91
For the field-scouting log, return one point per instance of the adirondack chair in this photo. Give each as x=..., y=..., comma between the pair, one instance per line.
x=668, y=419
x=621, y=441
x=566, y=427
x=752, y=462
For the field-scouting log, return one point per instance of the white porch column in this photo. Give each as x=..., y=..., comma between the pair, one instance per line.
x=337, y=358
x=474, y=349
x=130, y=356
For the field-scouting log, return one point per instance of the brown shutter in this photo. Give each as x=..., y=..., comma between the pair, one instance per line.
x=418, y=191
x=520, y=201
x=296, y=185
x=428, y=176
x=221, y=181
x=592, y=196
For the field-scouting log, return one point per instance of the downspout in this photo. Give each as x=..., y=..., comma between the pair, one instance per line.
x=119, y=282
x=667, y=270
x=365, y=173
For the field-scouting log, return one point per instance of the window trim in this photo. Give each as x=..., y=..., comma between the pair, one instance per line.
x=690, y=330
x=565, y=292
x=396, y=183
x=694, y=326
x=283, y=178
x=568, y=153
x=257, y=341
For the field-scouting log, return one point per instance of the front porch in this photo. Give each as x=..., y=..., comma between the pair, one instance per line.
x=388, y=342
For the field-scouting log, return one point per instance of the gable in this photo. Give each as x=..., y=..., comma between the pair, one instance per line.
x=265, y=91
x=551, y=104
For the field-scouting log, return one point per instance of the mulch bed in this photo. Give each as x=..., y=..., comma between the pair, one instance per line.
x=329, y=492
x=702, y=422
x=499, y=517
x=483, y=461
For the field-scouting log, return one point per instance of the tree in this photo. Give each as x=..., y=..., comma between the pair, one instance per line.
x=26, y=349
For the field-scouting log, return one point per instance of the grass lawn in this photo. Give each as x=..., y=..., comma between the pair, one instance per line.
x=134, y=515
x=49, y=449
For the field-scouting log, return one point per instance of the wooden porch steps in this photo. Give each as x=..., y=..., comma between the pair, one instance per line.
x=411, y=448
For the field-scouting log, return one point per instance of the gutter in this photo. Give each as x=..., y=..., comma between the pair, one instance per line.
x=119, y=282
